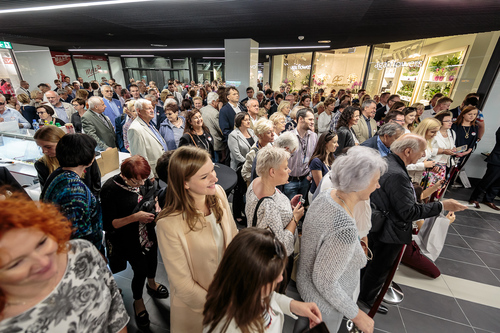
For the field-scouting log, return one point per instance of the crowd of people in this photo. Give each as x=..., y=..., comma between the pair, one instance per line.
x=345, y=174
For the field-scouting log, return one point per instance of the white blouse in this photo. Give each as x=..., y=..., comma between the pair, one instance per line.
x=440, y=142
x=218, y=235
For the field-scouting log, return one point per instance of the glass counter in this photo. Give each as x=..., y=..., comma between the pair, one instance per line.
x=19, y=145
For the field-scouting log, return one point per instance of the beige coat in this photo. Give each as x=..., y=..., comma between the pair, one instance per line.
x=361, y=129
x=190, y=259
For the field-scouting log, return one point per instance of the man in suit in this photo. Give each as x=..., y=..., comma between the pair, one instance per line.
x=159, y=111
x=211, y=119
x=23, y=89
x=383, y=99
x=274, y=108
x=143, y=138
x=243, y=102
x=97, y=125
x=62, y=110
x=173, y=90
x=366, y=126
x=384, y=138
x=383, y=110
x=433, y=101
x=228, y=111
x=113, y=106
x=490, y=184
x=361, y=93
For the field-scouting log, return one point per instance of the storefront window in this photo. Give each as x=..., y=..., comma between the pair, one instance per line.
x=63, y=65
x=418, y=69
x=339, y=69
x=8, y=73
x=91, y=67
x=297, y=70
x=156, y=62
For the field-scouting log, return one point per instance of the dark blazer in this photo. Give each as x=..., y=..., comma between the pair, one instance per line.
x=427, y=107
x=455, y=112
x=380, y=113
x=379, y=105
x=159, y=116
x=494, y=157
x=346, y=139
x=371, y=143
x=29, y=113
x=94, y=126
x=397, y=197
x=272, y=110
x=76, y=120
x=119, y=122
x=242, y=104
x=226, y=120
x=194, y=140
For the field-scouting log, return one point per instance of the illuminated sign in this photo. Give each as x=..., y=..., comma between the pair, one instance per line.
x=5, y=45
x=294, y=68
x=397, y=64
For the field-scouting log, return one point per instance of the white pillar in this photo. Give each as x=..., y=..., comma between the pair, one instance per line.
x=241, y=58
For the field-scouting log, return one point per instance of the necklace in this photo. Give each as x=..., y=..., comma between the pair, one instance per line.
x=202, y=142
x=347, y=207
x=466, y=132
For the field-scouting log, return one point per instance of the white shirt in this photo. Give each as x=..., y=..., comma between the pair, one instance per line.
x=236, y=108
x=440, y=142
x=324, y=122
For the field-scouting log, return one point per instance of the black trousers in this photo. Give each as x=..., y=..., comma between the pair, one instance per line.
x=144, y=266
x=489, y=185
x=376, y=271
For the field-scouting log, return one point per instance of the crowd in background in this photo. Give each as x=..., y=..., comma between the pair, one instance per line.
x=308, y=166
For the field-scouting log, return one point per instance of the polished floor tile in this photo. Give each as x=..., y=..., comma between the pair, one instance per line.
x=476, y=222
x=460, y=254
x=482, y=245
x=491, y=260
x=441, y=306
x=406, y=276
x=476, y=292
x=484, y=234
x=416, y=322
x=480, y=316
x=467, y=271
x=456, y=240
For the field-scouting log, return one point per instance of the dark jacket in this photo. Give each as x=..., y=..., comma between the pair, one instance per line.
x=380, y=114
x=76, y=120
x=397, y=197
x=346, y=139
x=29, y=113
x=119, y=122
x=494, y=157
x=226, y=120
x=371, y=142
x=204, y=141
x=92, y=177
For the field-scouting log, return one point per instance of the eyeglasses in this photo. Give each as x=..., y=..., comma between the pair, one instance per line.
x=41, y=112
x=2, y=103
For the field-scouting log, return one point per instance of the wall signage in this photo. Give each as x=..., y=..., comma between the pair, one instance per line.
x=397, y=64
x=5, y=45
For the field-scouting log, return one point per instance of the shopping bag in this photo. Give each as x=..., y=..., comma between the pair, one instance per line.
x=432, y=235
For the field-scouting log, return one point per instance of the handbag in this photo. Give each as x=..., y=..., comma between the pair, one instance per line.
x=115, y=261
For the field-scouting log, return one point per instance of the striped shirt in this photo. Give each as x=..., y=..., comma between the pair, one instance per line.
x=299, y=162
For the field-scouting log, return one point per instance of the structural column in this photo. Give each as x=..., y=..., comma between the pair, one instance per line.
x=241, y=58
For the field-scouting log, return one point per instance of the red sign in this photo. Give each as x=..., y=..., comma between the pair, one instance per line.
x=90, y=57
x=60, y=59
x=8, y=61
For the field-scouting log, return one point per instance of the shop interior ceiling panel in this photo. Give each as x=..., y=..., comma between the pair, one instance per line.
x=277, y=23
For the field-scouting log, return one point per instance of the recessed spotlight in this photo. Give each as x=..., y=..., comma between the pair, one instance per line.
x=159, y=45
x=301, y=37
x=110, y=34
x=324, y=41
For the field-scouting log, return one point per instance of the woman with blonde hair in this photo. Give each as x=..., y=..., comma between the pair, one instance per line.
x=427, y=129
x=193, y=229
x=279, y=121
x=420, y=110
x=284, y=108
x=129, y=109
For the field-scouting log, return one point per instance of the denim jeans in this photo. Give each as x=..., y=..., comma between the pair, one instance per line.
x=297, y=187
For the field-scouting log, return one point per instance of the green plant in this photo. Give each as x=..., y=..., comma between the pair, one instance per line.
x=305, y=81
x=452, y=65
x=431, y=90
x=446, y=90
x=436, y=65
x=406, y=90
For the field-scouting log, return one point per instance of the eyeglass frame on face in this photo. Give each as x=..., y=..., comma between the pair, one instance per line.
x=40, y=113
x=3, y=103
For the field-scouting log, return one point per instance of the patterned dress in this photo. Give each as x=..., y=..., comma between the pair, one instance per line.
x=77, y=203
x=86, y=299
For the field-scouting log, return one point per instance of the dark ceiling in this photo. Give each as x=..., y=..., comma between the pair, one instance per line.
x=276, y=23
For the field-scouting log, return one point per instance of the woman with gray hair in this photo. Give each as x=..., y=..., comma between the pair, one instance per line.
x=264, y=130
x=331, y=254
x=267, y=207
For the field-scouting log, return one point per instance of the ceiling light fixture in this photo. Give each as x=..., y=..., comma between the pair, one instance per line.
x=294, y=47
x=137, y=56
x=324, y=41
x=146, y=50
x=214, y=57
x=69, y=6
x=159, y=45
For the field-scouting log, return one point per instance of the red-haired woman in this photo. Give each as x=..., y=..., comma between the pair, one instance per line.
x=128, y=211
x=49, y=283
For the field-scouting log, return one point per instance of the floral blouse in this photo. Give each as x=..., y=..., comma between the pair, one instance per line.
x=86, y=299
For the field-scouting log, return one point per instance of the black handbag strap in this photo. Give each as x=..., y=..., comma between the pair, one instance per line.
x=254, y=220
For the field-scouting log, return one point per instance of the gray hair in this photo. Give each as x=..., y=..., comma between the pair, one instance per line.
x=287, y=140
x=76, y=82
x=212, y=96
x=105, y=86
x=140, y=104
x=260, y=92
x=251, y=99
x=352, y=172
x=94, y=101
x=61, y=91
x=169, y=101
x=367, y=103
x=412, y=141
x=270, y=157
x=262, y=126
x=390, y=129
x=3, y=97
x=153, y=97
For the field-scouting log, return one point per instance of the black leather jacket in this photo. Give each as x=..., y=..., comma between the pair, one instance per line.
x=396, y=196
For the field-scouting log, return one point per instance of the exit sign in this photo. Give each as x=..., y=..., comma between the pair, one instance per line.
x=5, y=45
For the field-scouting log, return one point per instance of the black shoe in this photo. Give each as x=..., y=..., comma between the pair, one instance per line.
x=382, y=309
x=160, y=292
x=141, y=319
